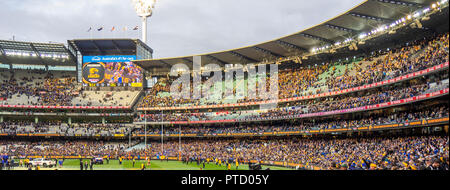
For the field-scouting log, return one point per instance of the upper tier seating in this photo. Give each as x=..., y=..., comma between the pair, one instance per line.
x=33, y=87
x=329, y=77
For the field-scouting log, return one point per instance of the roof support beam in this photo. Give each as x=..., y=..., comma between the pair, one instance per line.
x=317, y=38
x=189, y=63
x=74, y=45
x=404, y=3
x=341, y=28
x=98, y=48
x=57, y=48
x=117, y=47
x=3, y=53
x=217, y=60
x=267, y=52
x=289, y=46
x=165, y=63
x=242, y=57
x=71, y=56
x=187, y=60
x=38, y=54
x=369, y=17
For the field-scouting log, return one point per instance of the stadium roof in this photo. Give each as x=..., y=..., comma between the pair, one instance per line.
x=367, y=16
x=15, y=52
x=107, y=46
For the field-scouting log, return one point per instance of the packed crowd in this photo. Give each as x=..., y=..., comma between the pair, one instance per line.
x=401, y=153
x=375, y=153
x=63, y=148
x=417, y=55
x=392, y=118
x=90, y=129
x=348, y=102
x=48, y=89
x=108, y=130
x=63, y=129
x=55, y=88
x=388, y=94
x=27, y=127
x=380, y=66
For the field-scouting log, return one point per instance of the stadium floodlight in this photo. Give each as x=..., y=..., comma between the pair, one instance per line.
x=144, y=9
x=361, y=36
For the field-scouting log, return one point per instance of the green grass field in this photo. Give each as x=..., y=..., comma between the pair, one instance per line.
x=74, y=164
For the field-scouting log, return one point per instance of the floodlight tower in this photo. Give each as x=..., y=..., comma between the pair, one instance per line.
x=144, y=9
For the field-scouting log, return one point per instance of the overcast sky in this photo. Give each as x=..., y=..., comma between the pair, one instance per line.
x=177, y=27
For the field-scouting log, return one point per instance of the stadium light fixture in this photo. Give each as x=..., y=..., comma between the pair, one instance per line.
x=144, y=9
x=362, y=36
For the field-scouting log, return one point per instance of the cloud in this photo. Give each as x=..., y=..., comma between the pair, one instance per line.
x=177, y=27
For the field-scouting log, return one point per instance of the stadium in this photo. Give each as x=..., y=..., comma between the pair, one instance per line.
x=365, y=90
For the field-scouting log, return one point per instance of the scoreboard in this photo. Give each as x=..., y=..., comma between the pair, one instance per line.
x=111, y=71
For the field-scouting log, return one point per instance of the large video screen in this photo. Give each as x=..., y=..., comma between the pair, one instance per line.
x=111, y=71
